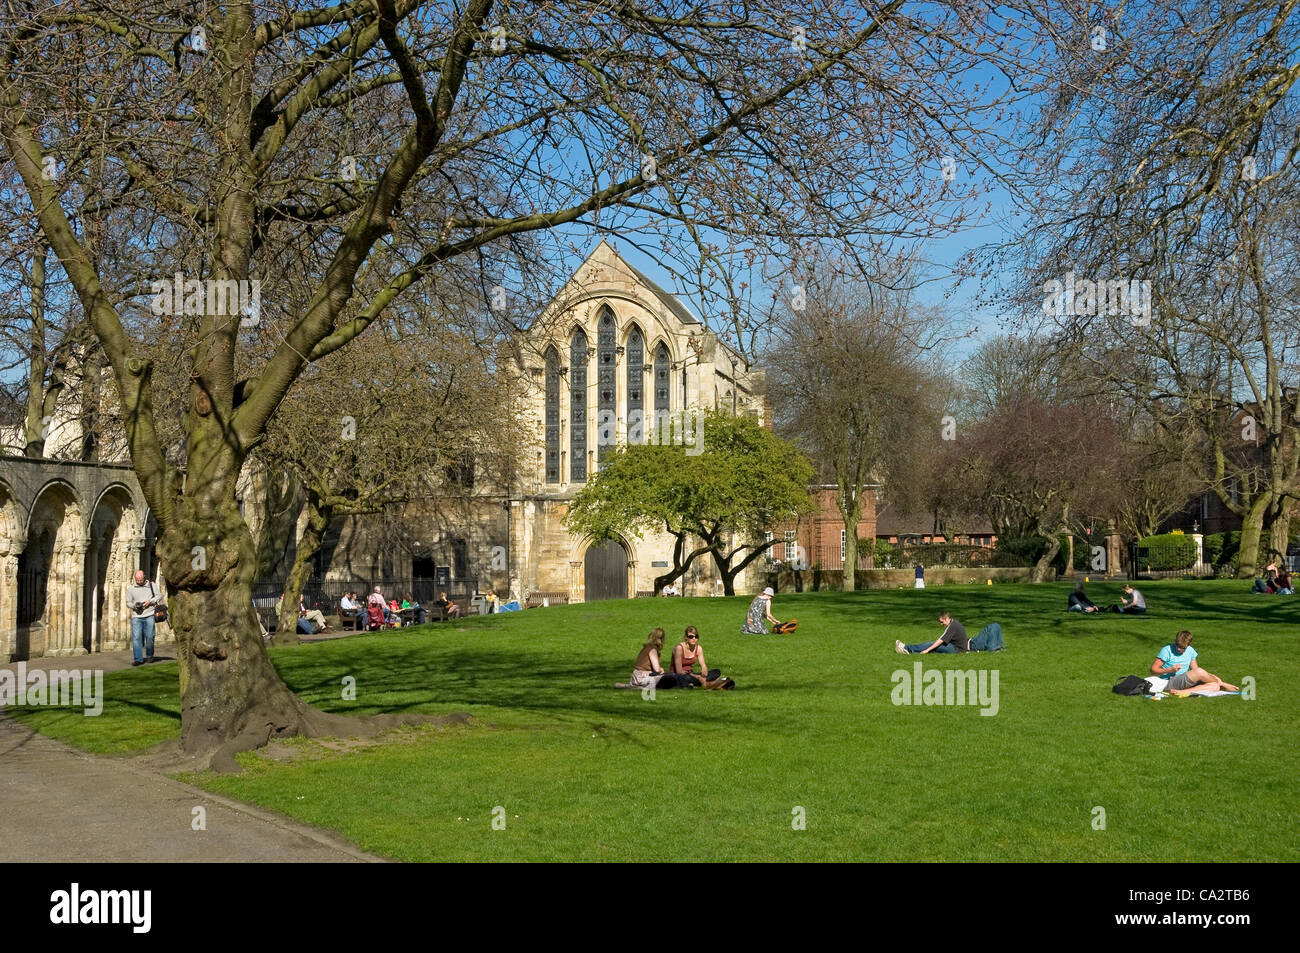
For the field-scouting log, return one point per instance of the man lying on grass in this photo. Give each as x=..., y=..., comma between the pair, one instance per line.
x=1177, y=662
x=953, y=639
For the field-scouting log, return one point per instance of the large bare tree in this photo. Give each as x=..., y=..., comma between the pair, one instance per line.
x=1165, y=219
x=856, y=383
x=351, y=151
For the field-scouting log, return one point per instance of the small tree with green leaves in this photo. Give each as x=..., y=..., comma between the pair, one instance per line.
x=718, y=502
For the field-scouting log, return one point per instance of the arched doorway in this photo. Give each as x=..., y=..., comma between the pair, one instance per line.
x=604, y=571
x=112, y=555
x=50, y=573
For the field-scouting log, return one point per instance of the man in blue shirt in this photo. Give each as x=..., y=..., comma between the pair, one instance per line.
x=1177, y=662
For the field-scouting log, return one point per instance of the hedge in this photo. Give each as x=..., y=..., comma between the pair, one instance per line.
x=1167, y=551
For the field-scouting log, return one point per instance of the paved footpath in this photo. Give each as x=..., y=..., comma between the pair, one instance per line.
x=60, y=804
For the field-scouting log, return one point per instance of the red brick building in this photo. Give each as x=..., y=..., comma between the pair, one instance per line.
x=820, y=536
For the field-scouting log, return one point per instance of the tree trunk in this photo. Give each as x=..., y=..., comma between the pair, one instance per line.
x=1252, y=527
x=283, y=499
x=318, y=520
x=35, y=430
x=1069, y=554
x=679, y=565
x=850, y=507
x=1280, y=531
x=1044, y=564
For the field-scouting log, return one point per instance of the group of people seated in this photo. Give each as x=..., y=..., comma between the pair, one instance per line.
x=380, y=613
x=1277, y=581
x=647, y=672
x=1132, y=603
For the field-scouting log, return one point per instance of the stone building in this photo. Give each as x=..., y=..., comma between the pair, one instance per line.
x=72, y=535
x=612, y=359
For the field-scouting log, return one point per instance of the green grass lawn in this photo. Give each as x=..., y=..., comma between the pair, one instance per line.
x=585, y=772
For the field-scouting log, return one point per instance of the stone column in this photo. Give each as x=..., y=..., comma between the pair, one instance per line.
x=66, y=582
x=8, y=599
x=575, y=582
x=1199, y=540
x=121, y=573
x=1114, y=551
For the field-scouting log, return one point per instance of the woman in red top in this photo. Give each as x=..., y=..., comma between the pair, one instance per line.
x=687, y=654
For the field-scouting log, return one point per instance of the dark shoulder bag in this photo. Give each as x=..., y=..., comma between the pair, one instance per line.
x=159, y=611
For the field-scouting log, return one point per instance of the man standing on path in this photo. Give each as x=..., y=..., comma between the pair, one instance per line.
x=142, y=599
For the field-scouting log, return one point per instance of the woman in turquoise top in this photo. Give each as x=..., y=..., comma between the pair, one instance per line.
x=1177, y=662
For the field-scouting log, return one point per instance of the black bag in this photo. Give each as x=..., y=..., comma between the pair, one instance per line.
x=160, y=611
x=1132, y=685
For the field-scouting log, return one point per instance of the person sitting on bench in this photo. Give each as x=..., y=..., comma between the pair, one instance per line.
x=1078, y=602
x=1177, y=663
x=452, y=610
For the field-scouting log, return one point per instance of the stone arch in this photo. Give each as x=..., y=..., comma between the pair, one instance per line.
x=50, y=574
x=112, y=556
x=581, y=556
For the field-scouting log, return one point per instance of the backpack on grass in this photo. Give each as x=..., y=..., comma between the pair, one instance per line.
x=1132, y=685
x=783, y=627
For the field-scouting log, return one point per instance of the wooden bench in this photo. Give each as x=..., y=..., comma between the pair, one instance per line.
x=534, y=600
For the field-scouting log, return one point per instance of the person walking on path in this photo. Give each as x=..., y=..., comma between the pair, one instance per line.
x=142, y=599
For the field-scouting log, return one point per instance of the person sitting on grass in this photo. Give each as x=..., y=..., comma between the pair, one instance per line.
x=1269, y=582
x=760, y=614
x=953, y=639
x=1283, y=582
x=647, y=671
x=1133, y=603
x=1177, y=663
x=1078, y=602
x=686, y=655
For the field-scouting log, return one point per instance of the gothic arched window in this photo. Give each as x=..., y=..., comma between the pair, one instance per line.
x=552, y=415
x=578, y=407
x=663, y=373
x=606, y=384
x=635, y=387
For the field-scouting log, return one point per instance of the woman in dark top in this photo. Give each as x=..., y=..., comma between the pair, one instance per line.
x=1079, y=602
